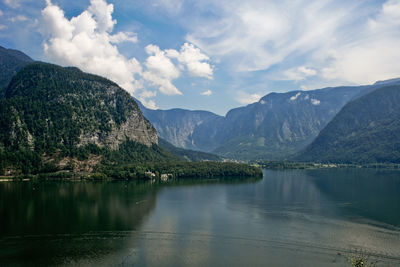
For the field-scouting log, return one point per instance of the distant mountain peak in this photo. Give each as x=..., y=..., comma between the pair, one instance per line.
x=11, y=61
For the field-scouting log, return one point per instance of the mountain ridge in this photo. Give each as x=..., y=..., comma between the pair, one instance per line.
x=275, y=127
x=11, y=61
x=366, y=130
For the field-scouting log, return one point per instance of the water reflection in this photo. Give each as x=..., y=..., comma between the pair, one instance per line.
x=371, y=195
x=52, y=223
x=285, y=219
x=289, y=218
x=57, y=223
x=73, y=207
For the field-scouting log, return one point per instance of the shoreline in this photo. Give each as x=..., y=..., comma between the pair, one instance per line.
x=292, y=165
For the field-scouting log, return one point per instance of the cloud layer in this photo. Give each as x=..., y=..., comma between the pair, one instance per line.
x=374, y=55
x=339, y=41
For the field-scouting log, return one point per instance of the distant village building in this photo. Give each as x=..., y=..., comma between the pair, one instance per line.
x=150, y=175
x=165, y=176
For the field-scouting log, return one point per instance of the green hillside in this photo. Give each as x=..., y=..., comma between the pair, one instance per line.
x=50, y=113
x=366, y=130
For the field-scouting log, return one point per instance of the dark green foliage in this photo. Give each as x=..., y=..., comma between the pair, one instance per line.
x=10, y=62
x=132, y=160
x=55, y=106
x=25, y=160
x=206, y=169
x=133, y=152
x=183, y=170
x=190, y=155
x=284, y=165
x=366, y=130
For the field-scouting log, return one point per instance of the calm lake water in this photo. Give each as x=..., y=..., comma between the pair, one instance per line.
x=288, y=218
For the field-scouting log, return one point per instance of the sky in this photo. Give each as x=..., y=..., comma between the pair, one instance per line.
x=211, y=55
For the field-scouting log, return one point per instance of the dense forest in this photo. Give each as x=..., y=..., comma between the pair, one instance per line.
x=205, y=169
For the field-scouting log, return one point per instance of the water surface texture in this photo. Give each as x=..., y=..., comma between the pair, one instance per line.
x=288, y=218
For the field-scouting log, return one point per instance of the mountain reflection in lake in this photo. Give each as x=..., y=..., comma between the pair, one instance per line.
x=289, y=218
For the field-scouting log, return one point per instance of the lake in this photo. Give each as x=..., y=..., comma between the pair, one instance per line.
x=287, y=218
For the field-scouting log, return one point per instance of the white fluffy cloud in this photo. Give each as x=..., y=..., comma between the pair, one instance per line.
x=300, y=73
x=165, y=86
x=160, y=64
x=102, y=13
x=85, y=41
x=195, y=61
x=88, y=42
x=188, y=57
x=245, y=98
x=161, y=70
x=207, y=93
x=144, y=98
x=123, y=37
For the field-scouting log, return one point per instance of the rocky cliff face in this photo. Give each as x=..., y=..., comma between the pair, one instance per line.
x=48, y=107
x=134, y=127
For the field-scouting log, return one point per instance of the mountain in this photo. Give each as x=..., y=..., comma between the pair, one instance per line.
x=278, y=125
x=177, y=125
x=50, y=111
x=366, y=130
x=60, y=122
x=11, y=61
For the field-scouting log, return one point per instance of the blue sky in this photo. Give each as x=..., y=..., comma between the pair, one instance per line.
x=211, y=55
